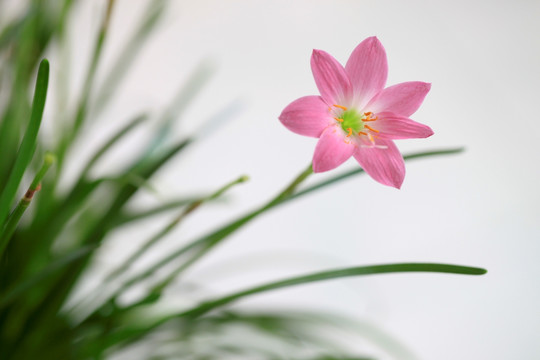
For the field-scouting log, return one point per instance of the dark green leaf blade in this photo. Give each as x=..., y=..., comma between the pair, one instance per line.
x=28, y=144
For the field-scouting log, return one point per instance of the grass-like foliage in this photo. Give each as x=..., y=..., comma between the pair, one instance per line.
x=46, y=252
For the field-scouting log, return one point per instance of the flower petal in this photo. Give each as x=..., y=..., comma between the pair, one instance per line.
x=331, y=150
x=330, y=77
x=307, y=116
x=385, y=165
x=367, y=68
x=403, y=99
x=391, y=126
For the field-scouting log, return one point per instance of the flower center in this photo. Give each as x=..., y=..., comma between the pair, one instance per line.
x=353, y=122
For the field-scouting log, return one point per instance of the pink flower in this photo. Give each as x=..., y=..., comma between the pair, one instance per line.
x=356, y=115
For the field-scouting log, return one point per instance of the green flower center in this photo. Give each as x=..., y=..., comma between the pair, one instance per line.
x=352, y=120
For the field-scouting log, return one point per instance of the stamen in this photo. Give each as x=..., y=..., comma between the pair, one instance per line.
x=368, y=114
x=338, y=119
x=349, y=132
x=371, y=138
x=369, y=119
x=362, y=133
x=341, y=107
x=370, y=128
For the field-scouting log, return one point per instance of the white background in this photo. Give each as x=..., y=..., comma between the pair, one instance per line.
x=477, y=208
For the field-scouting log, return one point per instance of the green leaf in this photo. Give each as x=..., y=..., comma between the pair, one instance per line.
x=128, y=54
x=145, y=170
x=334, y=274
x=208, y=241
x=16, y=215
x=113, y=141
x=82, y=108
x=28, y=144
x=167, y=229
x=43, y=274
x=178, y=105
x=134, y=333
x=130, y=216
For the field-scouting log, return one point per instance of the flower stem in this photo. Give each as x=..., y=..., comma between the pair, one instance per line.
x=23, y=204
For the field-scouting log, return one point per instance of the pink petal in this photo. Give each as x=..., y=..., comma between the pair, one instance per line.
x=391, y=126
x=331, y=150
x=385, y=165
x=403, y=99
x=330, y=77
x=367, y=68
x=307, y=116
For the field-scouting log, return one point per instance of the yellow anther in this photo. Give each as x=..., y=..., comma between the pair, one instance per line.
x=338, y=119
x=341, y=107
x=362, y=133
x=368, y=114
x=349, y=130
x=370, y=128
x=371, y=138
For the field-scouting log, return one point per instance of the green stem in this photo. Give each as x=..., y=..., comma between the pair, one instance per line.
x=16, y=215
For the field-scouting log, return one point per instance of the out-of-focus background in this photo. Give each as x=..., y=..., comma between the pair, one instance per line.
x=479, y=208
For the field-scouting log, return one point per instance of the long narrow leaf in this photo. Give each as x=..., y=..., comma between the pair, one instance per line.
x=113, y=141
x=128, y=54
x=53, y=267
x=82, y=108
x=28, y=144
x=132, y=334
x=17, y=214
x=130, y=216
x=335, y=274
x=69, y=278
x=173, y=224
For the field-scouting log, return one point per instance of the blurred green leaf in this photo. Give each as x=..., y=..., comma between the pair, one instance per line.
x=167, y=229
x=15, y=216
x=88, y=84
x=128, y=54
x=125, y=130
x=131, y=216
x=53, y=267
x=28, y=145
